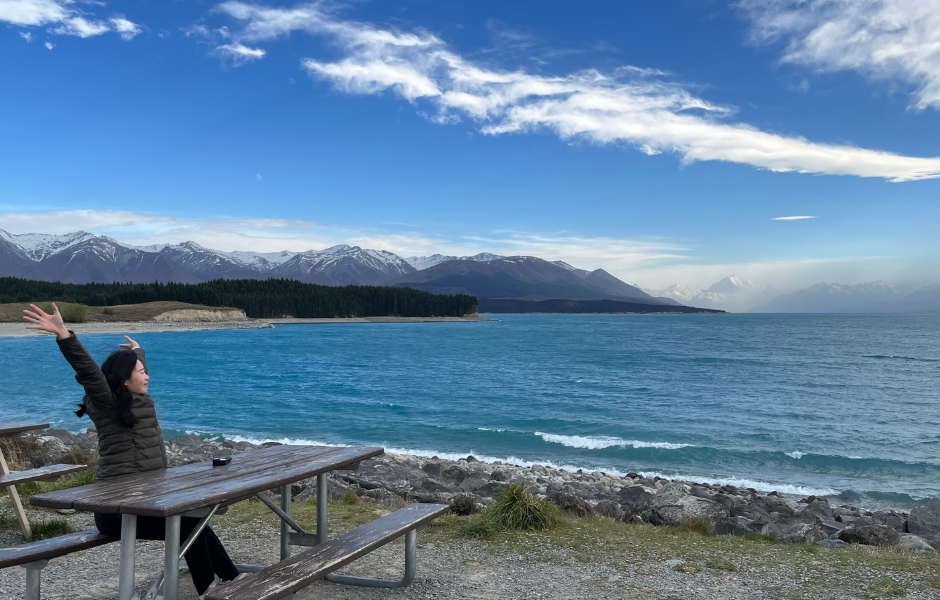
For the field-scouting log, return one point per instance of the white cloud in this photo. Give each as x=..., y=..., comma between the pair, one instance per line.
x=795, y=218
x=239, y=54
x=49, y=45
x=26, y=36
x=639, y=107
x=125, y=28
x=888, y=40
x=258, y=175
x=64, y=18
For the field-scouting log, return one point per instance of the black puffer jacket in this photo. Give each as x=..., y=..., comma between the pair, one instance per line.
x=121, y=450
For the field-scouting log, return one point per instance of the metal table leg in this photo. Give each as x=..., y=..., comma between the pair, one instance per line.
x=322, y=480
x=171, y=558
x=285, y=528
x=128, y=546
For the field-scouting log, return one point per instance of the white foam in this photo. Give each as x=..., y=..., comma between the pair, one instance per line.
x=795, y=454
x=761, y=486
x=599, y=442
x=488, y=429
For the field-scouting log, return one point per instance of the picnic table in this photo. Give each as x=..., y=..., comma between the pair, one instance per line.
x=200, y=490
x=10, y=479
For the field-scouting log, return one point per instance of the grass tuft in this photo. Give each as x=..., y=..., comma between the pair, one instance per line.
x=517, y=509
x=350, y=499
x=687, y=568
x=50, y=528
x=887, y=587
x=721, y=564
x=697, y=525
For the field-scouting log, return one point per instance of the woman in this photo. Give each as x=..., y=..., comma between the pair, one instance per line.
x=129, y=438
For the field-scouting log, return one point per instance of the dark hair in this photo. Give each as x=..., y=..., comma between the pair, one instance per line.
x=117, y=369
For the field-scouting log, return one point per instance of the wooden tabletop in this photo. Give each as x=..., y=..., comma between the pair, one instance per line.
x=173, y=491
x=14, y=428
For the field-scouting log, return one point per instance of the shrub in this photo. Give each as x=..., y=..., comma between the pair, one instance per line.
x=351, y=498
x=517, y=509
x=74, y=313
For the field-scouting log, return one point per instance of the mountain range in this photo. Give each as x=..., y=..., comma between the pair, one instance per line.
x=82, y=257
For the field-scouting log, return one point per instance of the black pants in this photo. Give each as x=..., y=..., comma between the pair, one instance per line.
x=206, y=557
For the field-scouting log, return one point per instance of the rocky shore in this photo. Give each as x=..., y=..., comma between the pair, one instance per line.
x=469, y=485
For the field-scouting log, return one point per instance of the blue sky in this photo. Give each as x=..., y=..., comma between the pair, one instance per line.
x=658, y=140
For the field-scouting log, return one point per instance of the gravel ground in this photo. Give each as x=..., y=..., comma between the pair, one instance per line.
x=451, y=570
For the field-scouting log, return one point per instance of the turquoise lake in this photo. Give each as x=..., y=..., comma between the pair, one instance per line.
x=843, y=405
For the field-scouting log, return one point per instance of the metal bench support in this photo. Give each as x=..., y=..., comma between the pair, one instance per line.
x=302, y=538
x=32, y=578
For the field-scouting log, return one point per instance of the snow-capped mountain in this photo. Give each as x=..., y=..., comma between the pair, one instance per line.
x=38, y=246
x=345, y=265
x=731, y=293
x=421, y=263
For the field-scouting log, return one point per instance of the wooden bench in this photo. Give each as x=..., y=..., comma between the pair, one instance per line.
x=34, y=556
x=47, y=473
x=286, y=577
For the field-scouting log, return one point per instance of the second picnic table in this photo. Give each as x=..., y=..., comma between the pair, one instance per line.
x=199, y=490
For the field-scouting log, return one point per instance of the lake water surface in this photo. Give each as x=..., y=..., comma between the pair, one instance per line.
x=836, y=405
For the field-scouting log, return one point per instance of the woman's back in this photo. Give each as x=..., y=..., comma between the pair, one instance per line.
x=122, y=449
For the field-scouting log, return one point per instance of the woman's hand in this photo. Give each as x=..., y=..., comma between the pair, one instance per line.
x=45, y=322
x=131, y=345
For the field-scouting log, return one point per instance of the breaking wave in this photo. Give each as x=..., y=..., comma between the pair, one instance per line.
x=599, y=442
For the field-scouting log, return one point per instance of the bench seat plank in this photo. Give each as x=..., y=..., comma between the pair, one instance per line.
x=52, y=547
x=304, y=568
x=47, y=473
x=7, y=428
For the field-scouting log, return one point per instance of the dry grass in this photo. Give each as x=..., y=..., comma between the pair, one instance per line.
x=13, y=312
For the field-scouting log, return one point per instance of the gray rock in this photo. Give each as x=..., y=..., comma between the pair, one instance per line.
x=819, y=509
x=572, y=505
x=434, y=485
x=433, y=469
x=872, y=535
x=687, y=507
x=51, y=451
x=915, y=543
x=831, y=527
x=802, y=533
x=634, y=499
x=609, y=509
x=732, y=526
x=924, y=521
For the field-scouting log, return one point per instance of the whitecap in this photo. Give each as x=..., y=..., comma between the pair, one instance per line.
x=488, y=429
x=599, y=442
x=795, y=454
x=757, y=484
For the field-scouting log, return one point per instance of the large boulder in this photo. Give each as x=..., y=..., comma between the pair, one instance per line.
x=687, y=507
x=634, y=499
x=50, y=451
x=819, y=509
x=924, y=521
x=872, y=535
x=802, y=533
x=915, y=544
x=738, y=526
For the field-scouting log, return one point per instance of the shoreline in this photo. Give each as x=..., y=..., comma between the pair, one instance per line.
x=18, y=330
x=630, y=498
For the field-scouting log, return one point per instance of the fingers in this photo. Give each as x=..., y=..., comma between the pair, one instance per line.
x=55, y=309
x=31, y=319
x=39, y=310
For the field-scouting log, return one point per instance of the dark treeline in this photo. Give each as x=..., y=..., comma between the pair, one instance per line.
x=258, y=298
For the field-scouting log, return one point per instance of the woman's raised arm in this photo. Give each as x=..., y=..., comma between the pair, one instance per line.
x=87, y=372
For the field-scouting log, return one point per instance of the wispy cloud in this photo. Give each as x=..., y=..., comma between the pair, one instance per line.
x=795, y=218
x=887, y=40
x=633, y=106
x=239, y=54
x=26, y=36
x=63, y=17
x=49, y=45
